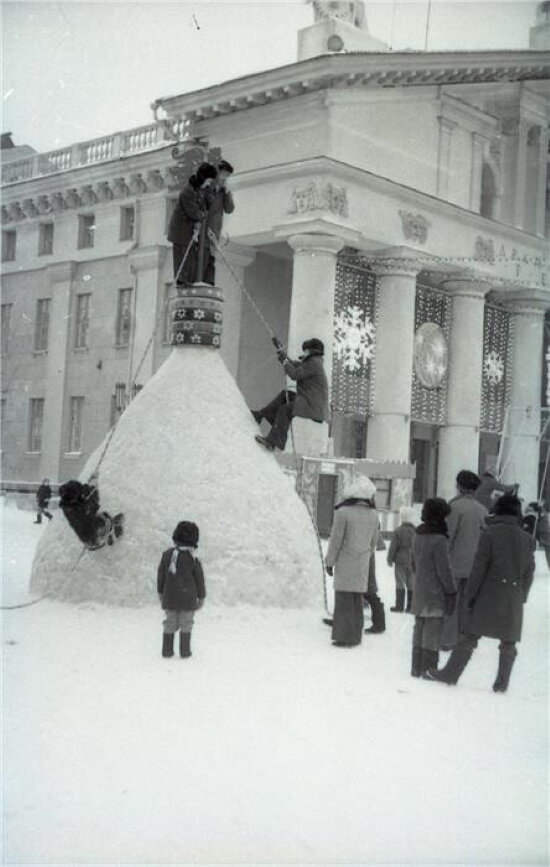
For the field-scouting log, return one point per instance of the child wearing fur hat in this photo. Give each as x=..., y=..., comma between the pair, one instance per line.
x=180, y=586
x=434, y=589
x=401, y=557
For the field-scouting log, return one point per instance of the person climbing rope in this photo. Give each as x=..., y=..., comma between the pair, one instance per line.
x=188, y=219
x=309, y=401
x=80, y=505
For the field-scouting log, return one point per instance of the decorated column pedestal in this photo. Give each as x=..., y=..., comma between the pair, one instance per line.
x=184, y=449
x=459, y=437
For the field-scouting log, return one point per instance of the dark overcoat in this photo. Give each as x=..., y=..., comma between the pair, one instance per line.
x=311, y=387
x=43, y=496
x=500, y=580
x=466, y=523
x=433, y=577
x=220, y=202
x=190, y=209
x=180, y=591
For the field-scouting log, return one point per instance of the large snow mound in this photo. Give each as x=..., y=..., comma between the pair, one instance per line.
x=184, y=450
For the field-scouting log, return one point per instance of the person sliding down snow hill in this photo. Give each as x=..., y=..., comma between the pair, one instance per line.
x=80, y=505
x=309, y=401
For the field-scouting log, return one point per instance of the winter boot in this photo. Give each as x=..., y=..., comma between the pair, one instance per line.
x=378, y=616
x=38, y=519
x=167, y=644
x=429, y=659
x=257, y=415
x=399, y=601
x=506, y=661
x=409, y=601
x=265, y=442
x=185, y=644
x=456, y=664
x=416, y=667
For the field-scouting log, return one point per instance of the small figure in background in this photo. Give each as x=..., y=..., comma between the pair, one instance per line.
x=43, y=497
x=220, y=201
x=187, y=222
x=434, y=589
x=401, y=557
x=181, y=588
x=497, y=590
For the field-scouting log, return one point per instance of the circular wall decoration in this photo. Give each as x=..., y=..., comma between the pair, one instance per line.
x=335, y=42
x=430, y=355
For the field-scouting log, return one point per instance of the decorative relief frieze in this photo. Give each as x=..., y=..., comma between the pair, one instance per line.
x=87, y=195
x=155, y=181
x=120, y=188
x=29, y=208
x=43, y=205
x=484, y=250
x=137, y=185
x=15, y=212
x=314, y=197
x=104, y=192
x=58, y=203
x=415, y=226
x=73, y=199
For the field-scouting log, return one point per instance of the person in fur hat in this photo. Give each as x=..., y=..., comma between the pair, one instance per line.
x=466, y=523
x=220, y=201
x=497, y=589
x=352, y=543
x=309, y=401
x=181, y=588
x=188, y=218
x=401, y=557
x=434, y=588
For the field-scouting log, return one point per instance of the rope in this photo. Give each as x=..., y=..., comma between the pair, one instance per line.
x=24, y=604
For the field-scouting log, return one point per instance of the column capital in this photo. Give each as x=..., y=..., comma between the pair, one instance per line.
x=467, y=286
x=527, y=301
x=316, y=243
x=61, y=272
x=396, y=261
x=147, y=258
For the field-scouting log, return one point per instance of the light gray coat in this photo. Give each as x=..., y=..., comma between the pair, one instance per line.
x=352, y=541
x=466, y=523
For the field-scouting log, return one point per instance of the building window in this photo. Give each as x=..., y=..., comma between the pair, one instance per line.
x=42, y=325
x=45, y=239
x=75, y=424
x=127, y=222
x=82, y=321
x=9, y=240
x=36, y=416
x=6, y=320
x=118, y=402
x=167, y=317
x=86, y=230
x=124, y=317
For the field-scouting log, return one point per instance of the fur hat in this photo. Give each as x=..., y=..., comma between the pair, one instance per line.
x=435, y=510
x=224, y=166
x=205, y=171
x=508, y=504
x=406, y=514
x=361, y=488
x=314, y=346
x=468, y=481
x=186, y=533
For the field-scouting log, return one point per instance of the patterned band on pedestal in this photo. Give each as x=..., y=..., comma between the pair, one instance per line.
x=197, y=316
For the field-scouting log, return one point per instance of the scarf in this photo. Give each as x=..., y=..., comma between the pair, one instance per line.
x=174, y=558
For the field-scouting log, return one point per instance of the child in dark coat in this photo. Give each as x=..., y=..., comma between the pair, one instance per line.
x=401, y=557
x=180, y=586
x=43, y=497
x=434, y=588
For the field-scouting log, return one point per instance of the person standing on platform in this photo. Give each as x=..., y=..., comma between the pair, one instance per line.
x=220, y=202
x=466, y=523
x=187, y=222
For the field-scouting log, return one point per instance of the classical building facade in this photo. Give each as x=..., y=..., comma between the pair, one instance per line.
x=392, y=204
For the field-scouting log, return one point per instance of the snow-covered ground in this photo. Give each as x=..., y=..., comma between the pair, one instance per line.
x=269, y=745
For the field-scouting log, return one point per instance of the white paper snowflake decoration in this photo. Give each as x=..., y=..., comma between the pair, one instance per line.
x=493, y=368
x=353, y=339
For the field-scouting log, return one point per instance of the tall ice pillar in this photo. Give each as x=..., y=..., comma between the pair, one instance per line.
x=312, y=315
x=388, y=435
x=459, y=438
x=521, y=447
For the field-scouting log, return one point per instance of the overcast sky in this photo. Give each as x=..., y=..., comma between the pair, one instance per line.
x=77, y=70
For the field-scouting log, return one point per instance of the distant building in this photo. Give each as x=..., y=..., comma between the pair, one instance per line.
x=393, y=204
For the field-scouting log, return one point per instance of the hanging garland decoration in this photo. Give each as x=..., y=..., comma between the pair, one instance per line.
x=496, y=368
x=433, y=308
x=353, y=338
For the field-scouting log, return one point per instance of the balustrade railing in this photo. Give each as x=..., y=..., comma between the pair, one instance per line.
x=139, y=139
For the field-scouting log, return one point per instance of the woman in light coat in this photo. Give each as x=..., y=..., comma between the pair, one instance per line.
x=352, y=542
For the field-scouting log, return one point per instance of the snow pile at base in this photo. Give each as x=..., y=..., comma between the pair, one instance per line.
x=185, y=450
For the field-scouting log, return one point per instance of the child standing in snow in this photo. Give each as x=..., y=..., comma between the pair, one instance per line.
x=180, y=586
x=401, y=557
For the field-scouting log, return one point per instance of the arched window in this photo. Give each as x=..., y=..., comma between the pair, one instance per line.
x=488, y=192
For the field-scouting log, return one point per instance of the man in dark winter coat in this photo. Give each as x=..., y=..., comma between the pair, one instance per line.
x=180, y=587
x=490, y=489
x=43, y=497
x=188, y=219
x=497, y=589
x=80, y=505
x=220, y=201
x=466, y=523
x=309, y=401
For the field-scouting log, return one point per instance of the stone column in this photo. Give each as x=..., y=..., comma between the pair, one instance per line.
x=60, y=278
x=312, y=315
x=146, y=267
x=238, y=258
x=446, y=128
x=388, y=434
x=540, y=213
x=521, y=446
x=459, y=438
x=478, y=144
x=520, y=170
